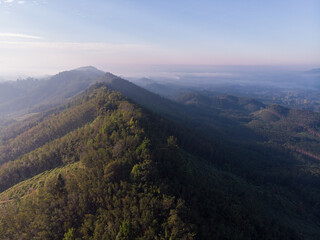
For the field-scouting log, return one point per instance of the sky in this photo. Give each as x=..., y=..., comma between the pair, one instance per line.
x=46, y=36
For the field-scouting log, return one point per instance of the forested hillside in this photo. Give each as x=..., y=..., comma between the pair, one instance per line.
x=108, y=165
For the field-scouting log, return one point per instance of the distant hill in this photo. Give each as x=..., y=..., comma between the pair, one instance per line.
x=224, y=102
x=32, y=95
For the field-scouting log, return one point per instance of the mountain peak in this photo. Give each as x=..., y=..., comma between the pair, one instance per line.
x=88, y=68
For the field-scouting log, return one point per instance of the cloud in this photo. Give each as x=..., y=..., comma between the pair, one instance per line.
x=18, y=35
x=21, y=2
x=8, y=1
x=71, y=46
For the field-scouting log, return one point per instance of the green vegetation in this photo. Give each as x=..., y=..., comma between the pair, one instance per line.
x=102, y=167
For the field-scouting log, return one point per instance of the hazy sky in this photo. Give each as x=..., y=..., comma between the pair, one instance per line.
x=45, y=36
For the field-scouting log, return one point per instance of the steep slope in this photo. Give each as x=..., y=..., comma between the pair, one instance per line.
x=144, y=97
x=231, y=121
x=198, y=118
x=125, y=175
x=22, y=137
x=282, y=151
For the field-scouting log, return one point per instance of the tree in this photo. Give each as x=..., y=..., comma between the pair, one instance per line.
x=70, y=235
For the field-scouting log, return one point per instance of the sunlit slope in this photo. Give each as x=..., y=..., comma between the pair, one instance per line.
x=31, y=133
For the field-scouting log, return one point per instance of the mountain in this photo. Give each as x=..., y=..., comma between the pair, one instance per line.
x=31, y=95
x=123, y=171
x=119, y=162
x=193, y=116
x=233, y=119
